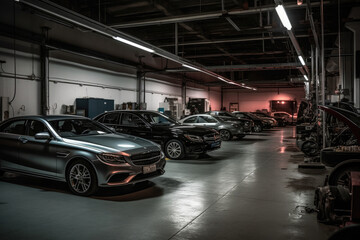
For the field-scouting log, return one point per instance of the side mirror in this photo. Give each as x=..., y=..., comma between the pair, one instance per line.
x=42, y=136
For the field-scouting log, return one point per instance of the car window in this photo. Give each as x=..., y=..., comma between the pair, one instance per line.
x=129, y=119
x=36, y=127
x=78, y=127
x=14, y=127
x=206, y=119
x=156, y=118
x=111, y=118
x=190, y=120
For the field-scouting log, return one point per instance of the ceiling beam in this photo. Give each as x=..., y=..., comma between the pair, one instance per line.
x=260, y=38
x=168, y=10
x=206, y=16
x=236, y=54
x=254, y=67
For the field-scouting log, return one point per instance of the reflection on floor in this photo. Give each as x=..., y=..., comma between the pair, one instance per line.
x=249, y=189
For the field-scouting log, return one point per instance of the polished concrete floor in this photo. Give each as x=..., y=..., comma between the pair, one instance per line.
x=249, y=189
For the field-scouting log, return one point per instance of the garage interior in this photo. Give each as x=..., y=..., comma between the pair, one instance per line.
x=235, y=55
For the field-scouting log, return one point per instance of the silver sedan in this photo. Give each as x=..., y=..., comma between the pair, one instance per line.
x=77, y=150
x=227, y=129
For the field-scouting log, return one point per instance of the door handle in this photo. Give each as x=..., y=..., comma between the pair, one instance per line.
x=23, y=140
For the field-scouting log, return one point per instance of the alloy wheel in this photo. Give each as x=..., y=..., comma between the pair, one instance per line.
x=225, y=135
x=80, y=178
x=174, y=149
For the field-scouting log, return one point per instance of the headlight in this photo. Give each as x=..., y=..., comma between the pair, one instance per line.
x=193, y=138
x=111, y=158
x=162, y=155
x=247, y=123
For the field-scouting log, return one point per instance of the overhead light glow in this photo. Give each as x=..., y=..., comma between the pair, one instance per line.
x=193, y=68
x=133, y=44
x=283, y=17
x=301, y=60
x=306, y=78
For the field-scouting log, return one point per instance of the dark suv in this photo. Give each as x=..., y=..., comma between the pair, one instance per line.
x=176, y=140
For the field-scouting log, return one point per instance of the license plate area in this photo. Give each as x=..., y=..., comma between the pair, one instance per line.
x=149, y=169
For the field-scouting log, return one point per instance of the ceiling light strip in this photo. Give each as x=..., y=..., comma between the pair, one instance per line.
x=283, y=17
x=123, y=40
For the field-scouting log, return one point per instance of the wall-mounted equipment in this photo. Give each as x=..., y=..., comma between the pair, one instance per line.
x=91, y=107
x=198, y=105
x=171, y=107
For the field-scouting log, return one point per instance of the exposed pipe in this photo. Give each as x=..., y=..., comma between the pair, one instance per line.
x=312, y=24
x=323, y=74
x=176, y=40
x=246, y=67
x=235, y=40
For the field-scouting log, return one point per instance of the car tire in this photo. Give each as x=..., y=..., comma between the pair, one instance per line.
x=310, y=148
x=174, y=149
x=225, y=135
x=258, y=128
x=341, y=176
x=81, y=178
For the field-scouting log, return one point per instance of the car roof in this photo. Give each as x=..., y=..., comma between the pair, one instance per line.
x=48, y=117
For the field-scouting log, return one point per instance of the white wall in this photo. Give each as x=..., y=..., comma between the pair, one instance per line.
x=68, y=81
x=27, y=97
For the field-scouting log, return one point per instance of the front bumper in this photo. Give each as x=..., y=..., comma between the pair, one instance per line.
x=198, y=148
x=127, y=173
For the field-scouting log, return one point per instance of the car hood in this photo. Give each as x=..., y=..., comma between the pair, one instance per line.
x=113, y=143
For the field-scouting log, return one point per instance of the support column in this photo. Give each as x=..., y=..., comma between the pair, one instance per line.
x=44, y=68
x=347, y=63
x=139, y=75
x=176, y=40
x=183, y=96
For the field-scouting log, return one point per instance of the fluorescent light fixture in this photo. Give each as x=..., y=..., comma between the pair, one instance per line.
x=301, y=60
x=283, y=17
x=306, y=78
x=193, y=68
x=133, y=44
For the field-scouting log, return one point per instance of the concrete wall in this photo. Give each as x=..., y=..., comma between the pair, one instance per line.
x=68, y=81
x=257, y=100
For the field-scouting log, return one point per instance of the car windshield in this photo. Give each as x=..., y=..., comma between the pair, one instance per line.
x=157, y=119
x=78, y=127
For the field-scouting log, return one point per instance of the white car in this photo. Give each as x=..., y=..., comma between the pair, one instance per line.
x=288, y=117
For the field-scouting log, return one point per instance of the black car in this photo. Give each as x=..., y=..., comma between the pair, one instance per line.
x=258, y=123
x=280, y=121
x=176, y=140
x=247, y=124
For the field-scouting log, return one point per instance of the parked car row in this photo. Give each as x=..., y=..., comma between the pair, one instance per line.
x=116, y=148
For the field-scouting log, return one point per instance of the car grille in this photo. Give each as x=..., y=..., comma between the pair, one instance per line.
x=209, y=138
x=146, y=158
